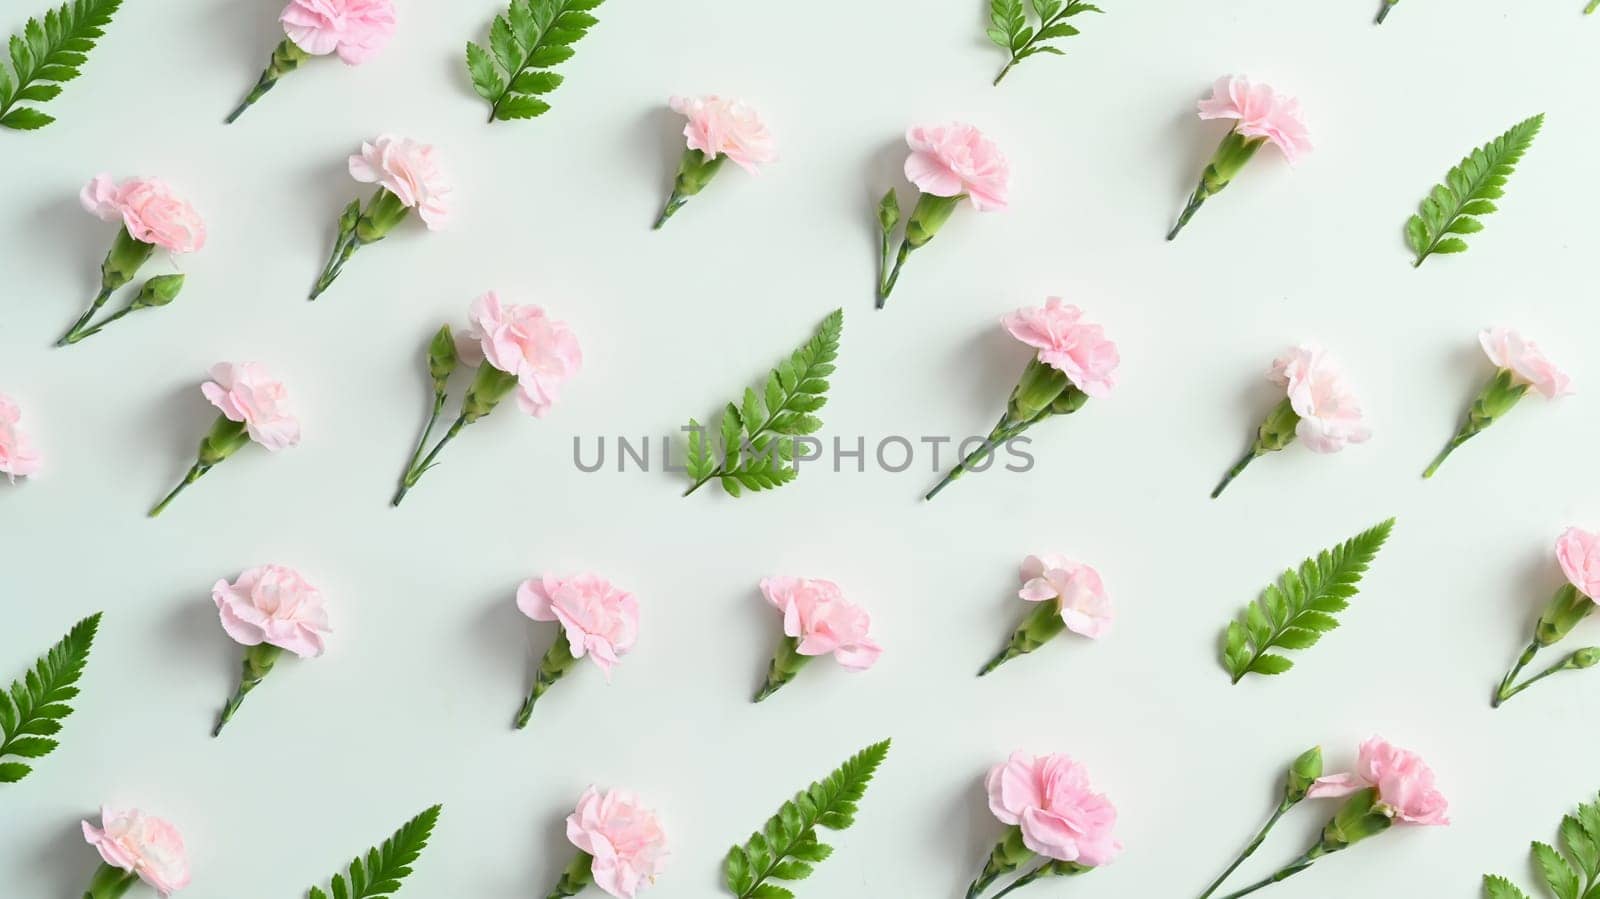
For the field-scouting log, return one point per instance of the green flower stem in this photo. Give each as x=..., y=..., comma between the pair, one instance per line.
x=1002, y=432
x=1283, y=807
x=1300, y=864
x=98, y=328
x=1593, y=5
x=223, y=440
x=556, y=663
x=75, y=333
x=927, y=217
x=1230, y=157
x=258, y=662
x=414, y=468
x=578, y=875
x=286, y=57
x=1048, y=869
x=1008, y=855
x=1390, y=4
x=417, y=471
x=1506, y=691
x=1583, y=658
x=357, y=228
x=1444, y=454
x=196, y=471
x=1042, y=625
x=1495, y=399
x=891, y=273
x=343, y=249
x=122, y=262
x=786, y=663
x=695, y=171
x=110, y=883
x=1246, y=459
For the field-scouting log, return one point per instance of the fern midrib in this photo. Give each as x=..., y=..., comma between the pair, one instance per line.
x=779, y=857
x=564, y=8
x=1461, y=203
x=1016, y=55
x=766, y=425
x=1289, y=622
x=59, y=680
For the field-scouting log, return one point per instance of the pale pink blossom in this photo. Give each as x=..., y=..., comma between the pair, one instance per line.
x=816, y=614
x=723, y=127
x=244, y=392
x=1579, y=553
x=599, y=620
x=1067, y=343
x=150, y=211
x=141, y=844
x=275, y=605
x=1404, y=782
x=525, y=342
x=956, y=159
x=409, y=170
x=18, y=458
x=1050, y=799
x=1075, y=587
x=1509, y=350
x=1259, y=111
x=1330, y=416
x=355, y=29
x=623, y=837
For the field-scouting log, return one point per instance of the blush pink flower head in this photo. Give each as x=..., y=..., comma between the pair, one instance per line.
x=1509, y=350
x=598, y=619
x=1330, y=417
x=244, y=392
x=150, y=211
x=816, y=614
x=1067, y=343
x=18, y=458
x=355, y=29
x=1259, y=111
x=1074, y=586
x=723, y=127
x=1050, y=799
x=275, y=605
x=141, y=844
x=623, y=837
x=523, y=341
x=409, y=170
x=1403, y=780
x=954, y=159
x=1579, y=553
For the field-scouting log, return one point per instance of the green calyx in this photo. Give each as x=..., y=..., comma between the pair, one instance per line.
x=258, y=662
x=383, y=212
x=928, y=216
x=225, y=438
x=1274, y=434
x=489, y=387
x=1566, y=608
x=1042, y=625
x=1495, y=399
x=695, y=171
x=1226, y=163
x=1361, y=816
x=126, y=257
x=786, y=663
x=1008, y=855
x=110, y=883
x=578, y=875
x=557, y=661
x=1038, y=390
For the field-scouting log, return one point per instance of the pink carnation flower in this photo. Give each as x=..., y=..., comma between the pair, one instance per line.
x=599, y=620
x=816, y=614
x=1068, y=343
x=275, y=605
x=1404, y=783
x=1330, y=417
x=141, y=844
x=1579, y=553
x=409, y=170
x=1259, y=111
x=624, y=838
x=721, y=127
x=1050, y=799
x=954, y=159
x=523, y=341
x=1074, y=586
x=1509, y=350
x=355, y=29
x=150, y=211
x=246, y=393
x=18, y=459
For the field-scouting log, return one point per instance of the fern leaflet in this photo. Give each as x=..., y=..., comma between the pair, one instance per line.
x=1574, y=872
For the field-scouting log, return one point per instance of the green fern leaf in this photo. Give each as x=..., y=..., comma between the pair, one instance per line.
x=532, y=37
x=756, y=437
x=1495, y=887
x=385, y=866
x=1469, y=190
x=47, y=54
x=31, y=713
x=786, y=848
x=1010, y=31
x=1573, y=876
x=1296, y=611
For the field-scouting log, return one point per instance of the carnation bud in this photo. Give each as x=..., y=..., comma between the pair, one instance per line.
x=1302, y=773
x=889, y=212
x=1585, y=658
x=158, y=291
x=442, y=357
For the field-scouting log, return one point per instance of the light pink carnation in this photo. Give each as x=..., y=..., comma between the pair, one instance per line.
x=1074, y=586
x=1061, y=816
x=599, y=620
x=721, y=127
x=1068, y=343
x=18, y=459
x=245, y=392
x=816, y=613
x=150, y=211
x=1579, y=553
x=1260, y=112
x=1404, y=782
x=275, y=605
x=409, y=170
x=624, y=838
x=141, y=844
x=1330, y=417
x=523, y=341
x=355, y=29
x=1508, y=349
x=949, y=160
